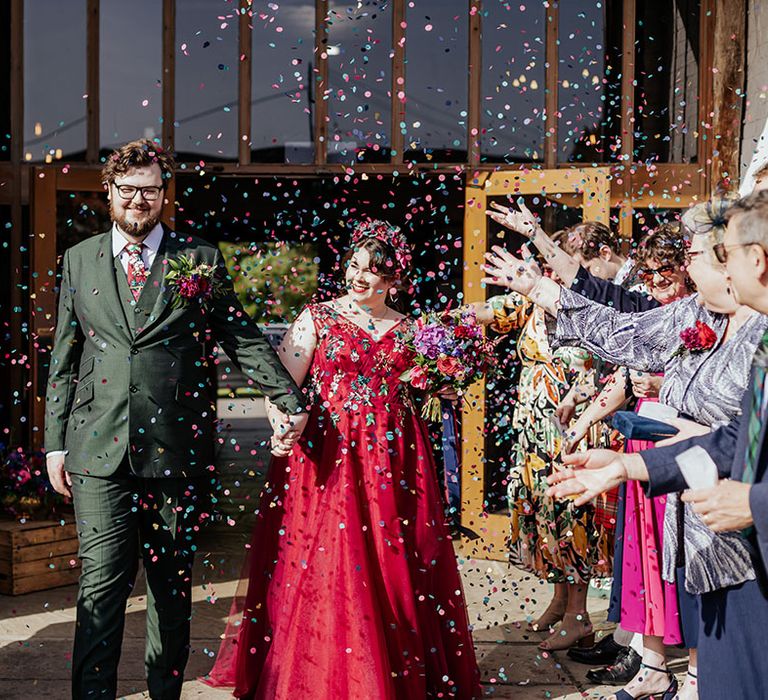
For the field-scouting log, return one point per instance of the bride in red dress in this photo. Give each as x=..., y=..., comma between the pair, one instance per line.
x=353, y=586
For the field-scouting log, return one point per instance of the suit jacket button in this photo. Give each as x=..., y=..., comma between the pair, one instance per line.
x=134, y=351
x=133, y=388
x=136, y=310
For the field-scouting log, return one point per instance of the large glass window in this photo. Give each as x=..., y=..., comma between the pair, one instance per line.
x=589, y=83
x=359, y=77
x=667, y=79
x=436, y=75
x=513, y=89
x=5, y=81
x=283, y=82
x=206, y=79
x=131, y=65
x=54, y=80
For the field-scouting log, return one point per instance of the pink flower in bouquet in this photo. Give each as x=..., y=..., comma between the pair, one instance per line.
x=449, y=366
x=418, y=378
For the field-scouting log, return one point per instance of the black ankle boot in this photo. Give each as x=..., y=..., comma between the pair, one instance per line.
x=624, y=670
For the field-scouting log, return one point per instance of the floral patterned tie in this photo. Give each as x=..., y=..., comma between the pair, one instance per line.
x=137, y=272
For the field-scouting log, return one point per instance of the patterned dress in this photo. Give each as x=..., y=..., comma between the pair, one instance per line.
x=704, y=386
x=552, y=539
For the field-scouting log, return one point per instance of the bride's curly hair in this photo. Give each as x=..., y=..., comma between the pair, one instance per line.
x=383, y=262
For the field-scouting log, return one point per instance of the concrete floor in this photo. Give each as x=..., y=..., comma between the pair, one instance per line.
x=36, y=629
x=36, y=634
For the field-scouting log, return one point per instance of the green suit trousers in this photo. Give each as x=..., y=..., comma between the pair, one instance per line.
x=120, y=518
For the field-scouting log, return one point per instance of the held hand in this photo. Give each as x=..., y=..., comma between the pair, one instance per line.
x=522, y=221
x=279, y=447
x=505, y=270
x=724, y=508
x=646, y=386
x=286, y=430
x=58, y=476
x=687, y=429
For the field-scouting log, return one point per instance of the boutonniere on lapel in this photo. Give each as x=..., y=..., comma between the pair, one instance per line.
x=698, y=338
x=191, y=282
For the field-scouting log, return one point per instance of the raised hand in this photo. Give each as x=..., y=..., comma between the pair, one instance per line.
x=505, y=270
x=523, y=221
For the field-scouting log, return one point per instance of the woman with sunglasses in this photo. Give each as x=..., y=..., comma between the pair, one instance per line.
x=704, y=379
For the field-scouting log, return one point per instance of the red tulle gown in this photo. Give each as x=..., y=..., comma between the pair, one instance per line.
x=353, y=590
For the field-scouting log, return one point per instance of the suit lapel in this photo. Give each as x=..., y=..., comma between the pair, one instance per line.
x=155, y=299
x=105, y=273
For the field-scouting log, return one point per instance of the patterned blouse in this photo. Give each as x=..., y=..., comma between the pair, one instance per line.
x=706, y=386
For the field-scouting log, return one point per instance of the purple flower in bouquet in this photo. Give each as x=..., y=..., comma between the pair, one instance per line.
x=450, y=351
x=431, y=341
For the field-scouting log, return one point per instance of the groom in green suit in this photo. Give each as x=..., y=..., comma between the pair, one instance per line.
x=130, y=416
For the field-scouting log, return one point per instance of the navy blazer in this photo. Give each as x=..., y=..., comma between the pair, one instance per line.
x=609, y=294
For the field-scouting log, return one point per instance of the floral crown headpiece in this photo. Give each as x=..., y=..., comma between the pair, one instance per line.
x=386, y=233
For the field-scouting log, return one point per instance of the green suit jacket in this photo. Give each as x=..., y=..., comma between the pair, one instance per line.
x=142, y=384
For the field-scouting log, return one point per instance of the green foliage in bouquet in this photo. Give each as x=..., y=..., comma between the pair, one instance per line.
x=273, y=281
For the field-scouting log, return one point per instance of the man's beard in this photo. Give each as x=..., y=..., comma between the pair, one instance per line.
x=133, y=229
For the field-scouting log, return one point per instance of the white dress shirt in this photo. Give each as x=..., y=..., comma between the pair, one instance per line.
x=148, y=253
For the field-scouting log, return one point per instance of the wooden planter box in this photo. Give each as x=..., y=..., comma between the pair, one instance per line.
x=35, y=556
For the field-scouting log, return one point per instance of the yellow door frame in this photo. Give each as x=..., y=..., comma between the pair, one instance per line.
x=593, y=187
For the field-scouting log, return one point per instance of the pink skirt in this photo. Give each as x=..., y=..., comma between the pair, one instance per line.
x=648, y=603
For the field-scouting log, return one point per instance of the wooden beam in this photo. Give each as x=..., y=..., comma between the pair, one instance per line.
x=43, y=250
x=93, y=137
x=629, y=22
x=551, y=92
x=19, y=344
x=42, y=298
x=319, y=86
x=169, y=74
x=729, y=55
x=244, y=85
x=397, y=97
x=474, y=90
x=708, y=11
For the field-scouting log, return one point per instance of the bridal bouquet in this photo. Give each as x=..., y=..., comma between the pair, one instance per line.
x=451, y=351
